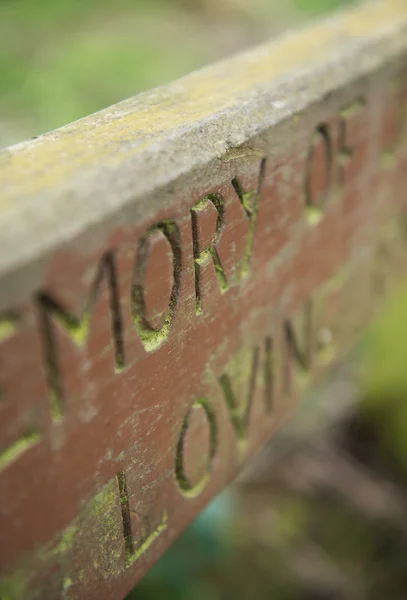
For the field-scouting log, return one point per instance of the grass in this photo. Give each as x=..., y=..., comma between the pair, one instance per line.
x=61, y=60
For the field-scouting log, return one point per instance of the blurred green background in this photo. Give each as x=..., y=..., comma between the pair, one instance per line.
x=63, y=59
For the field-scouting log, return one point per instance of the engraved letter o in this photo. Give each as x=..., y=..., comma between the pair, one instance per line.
x=185, y=486
x=153, y=338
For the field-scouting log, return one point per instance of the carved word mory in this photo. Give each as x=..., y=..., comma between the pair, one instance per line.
x=139, y=375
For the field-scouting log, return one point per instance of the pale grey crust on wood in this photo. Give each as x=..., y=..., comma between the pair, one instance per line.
x=125, y=163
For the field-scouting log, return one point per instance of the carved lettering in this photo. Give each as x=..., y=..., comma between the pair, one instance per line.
x=10, y=324
x=298, y=346
x=250, y=202
x=152, y=338
x=245, y=368
x=186, y=487
x=318, y=174
x=78, y=329
x=134, y=551
x=240, y=382
x=203, y=255
x=347, y=145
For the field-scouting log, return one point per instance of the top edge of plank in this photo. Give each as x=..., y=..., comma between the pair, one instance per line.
x=55, y=187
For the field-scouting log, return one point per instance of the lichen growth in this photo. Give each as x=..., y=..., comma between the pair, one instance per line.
x=186, y=487
x=388, y=160
x=100, y=521
x=203, y=256
x=142, y=549
x=67, y=583
x=250, y=202
x=152, y=338
x=67, y=540
x=8, y=326
x=15, y=450
x=314, y=215
x=15, y=586
x=238, y=381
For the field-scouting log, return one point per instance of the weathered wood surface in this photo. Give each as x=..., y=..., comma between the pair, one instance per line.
x=175, y=270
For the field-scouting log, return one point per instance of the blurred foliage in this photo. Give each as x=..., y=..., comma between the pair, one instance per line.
x=64, y=59
x=182, y=574
x=385, y=374
x=316, y=7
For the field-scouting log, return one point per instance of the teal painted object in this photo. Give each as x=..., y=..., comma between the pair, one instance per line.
x=178, y=574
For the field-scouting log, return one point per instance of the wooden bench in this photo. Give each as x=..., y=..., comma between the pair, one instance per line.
x=176, y=271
